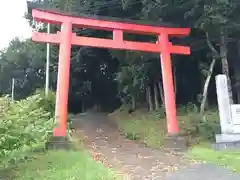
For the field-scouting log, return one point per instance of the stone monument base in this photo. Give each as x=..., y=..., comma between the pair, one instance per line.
x=230, y=137
x=176, y=143
x=227, y=141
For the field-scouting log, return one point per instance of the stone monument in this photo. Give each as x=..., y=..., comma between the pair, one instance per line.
x=229, y=117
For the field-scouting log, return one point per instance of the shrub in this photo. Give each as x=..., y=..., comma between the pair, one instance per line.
x=47, y=103
x=208, y=127
x=4, y=105
x=24, y=124
x=150, y=127
x=188, y=108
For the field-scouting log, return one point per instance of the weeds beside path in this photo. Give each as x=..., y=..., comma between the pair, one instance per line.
x=229, y=159
x=149, y=128
x=25, y=127
x=132, y=160
x=58, y=165
x=115, y=152
x=129, y=158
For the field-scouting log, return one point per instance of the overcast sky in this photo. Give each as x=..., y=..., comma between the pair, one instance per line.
x=12, y=21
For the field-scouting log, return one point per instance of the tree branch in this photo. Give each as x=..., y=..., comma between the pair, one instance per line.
x=210, y=45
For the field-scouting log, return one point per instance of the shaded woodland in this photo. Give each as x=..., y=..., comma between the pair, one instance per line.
x=111, y=78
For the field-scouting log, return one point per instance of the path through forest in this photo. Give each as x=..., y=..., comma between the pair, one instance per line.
x=137, y=162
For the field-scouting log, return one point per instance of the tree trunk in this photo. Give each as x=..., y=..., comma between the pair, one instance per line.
x=149, y=98
x=161, y=93
x=157, y=106
x=224, y=60
x=206, y=85
x=236, y=67
x=133, y=103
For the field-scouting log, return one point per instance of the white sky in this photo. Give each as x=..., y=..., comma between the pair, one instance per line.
x=12, y=21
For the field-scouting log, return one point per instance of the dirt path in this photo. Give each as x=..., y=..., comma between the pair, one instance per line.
x=133, y=160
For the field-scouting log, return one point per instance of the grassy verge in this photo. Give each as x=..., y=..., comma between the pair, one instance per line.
x=62, y=165
x=25, y=127
x=76, y=164
x=150, y=128
x=140, y=127
x=228, y=159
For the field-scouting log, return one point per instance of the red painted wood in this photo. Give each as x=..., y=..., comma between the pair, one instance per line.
x=118, y=35
x=44, y=37
x=168, y=87
x=55, y=18
x=108, y=43
x=63, y=79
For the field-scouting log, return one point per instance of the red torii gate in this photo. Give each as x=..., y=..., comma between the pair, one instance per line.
x=66, y=38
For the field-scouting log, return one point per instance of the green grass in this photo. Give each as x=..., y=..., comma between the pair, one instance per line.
x=150, y=128
x=228, y=159
x=142, y=128
x=59, y=165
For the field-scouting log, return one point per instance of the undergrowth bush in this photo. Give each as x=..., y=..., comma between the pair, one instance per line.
x=24, y=124
x=201, y=127
x=150, y=127
x=47, y=103
x=209, y=126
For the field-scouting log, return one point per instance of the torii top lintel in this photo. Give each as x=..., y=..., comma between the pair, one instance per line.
x=58, y=18
x=117, y=27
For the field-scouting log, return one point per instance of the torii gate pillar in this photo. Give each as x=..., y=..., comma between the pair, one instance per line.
x=63, y=79
x=66, y=38
x=168, y=86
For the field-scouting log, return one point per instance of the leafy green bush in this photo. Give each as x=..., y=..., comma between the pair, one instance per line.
x=151, y=129
x=159, y=113
x=209, y=126
x=203, y=128
x=4, y=105
x=24, y=124
x=188, y=108
x=47, y=103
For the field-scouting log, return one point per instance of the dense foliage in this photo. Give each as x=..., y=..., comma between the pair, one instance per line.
x=24, y=124
x=110, y=78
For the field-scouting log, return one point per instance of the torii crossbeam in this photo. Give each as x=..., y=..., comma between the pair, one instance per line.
x=66, y=38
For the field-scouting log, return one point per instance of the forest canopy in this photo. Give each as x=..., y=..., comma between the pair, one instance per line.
x=110, y=78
